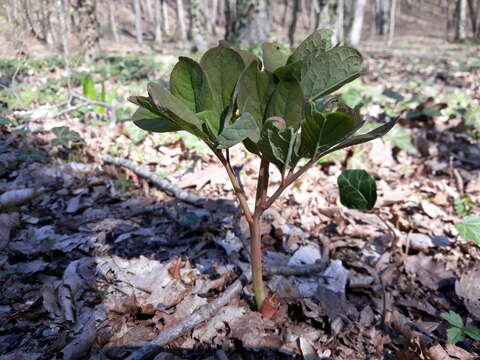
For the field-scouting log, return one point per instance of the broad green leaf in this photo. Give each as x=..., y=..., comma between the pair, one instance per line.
x=280, y=146
x=393, y=95
x=244, y=127
x=144, y=102
x=287, y=102
x=247, y=56
x=178, y=112
x=473, y=332
x=148, y=121
x=64, y=136
x=273, y=57
x=363, y=138
x=223, y=67
x=211, y=121
x=357, y=189
x=253, y=91
x=453, y=318
x=319, y=41
x=455, y=335
x=320, y=132
x=469, y=228
x=327, y=72
x=189, y=83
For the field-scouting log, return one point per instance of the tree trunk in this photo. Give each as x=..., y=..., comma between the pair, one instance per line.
x=340, y=21
x=149, y=10
x=158, y=22
x=112, y=20
x=46, y=11
x=88, y=27
x=474, y=14
x=356, y=31
x=391, y=30
x=323, y=17
x=181, y=20
x=196, y=33
x=381, y=16
x=293, y=24
x=213, y=18
x=248, y=24
x=165, y=17
x=460, y=33
x=138, y=21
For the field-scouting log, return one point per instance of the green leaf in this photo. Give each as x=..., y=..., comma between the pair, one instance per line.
x=357, y=189
x=177, y=111
x=473, y=332
x=135, y=133
x=455, y=335
x=363, y=138
x=287, y=102
x=280, y=146
x=244, y=127
x=247, y=56
x=223, y=67
x=88, y=88
x=469, y=228
x=319, y=41
x=393, y=95
x=189, y=83
x=148, y=121
x=273, y=57
x=453, y=318
x=64, y=136
x=320, y=132
x=253, y=91
x=211, y=122
x=327, y=72
x=401, y=138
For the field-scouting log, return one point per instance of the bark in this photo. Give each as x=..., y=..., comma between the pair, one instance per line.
x=293, y=24
x=88, y=27
x=213, y=18
x=112, y=20
x=391, y=30
x=165, y=18
x=149, y=10
x=356, y=31
x=381, y=16
x=248, y=23
x=46, y=11
x=158, y=22
x=285, y=12
x=181, y=20
x=196, y=34
x=340, y=21
x=460, y=33
x=474, y=14
x=138, y=21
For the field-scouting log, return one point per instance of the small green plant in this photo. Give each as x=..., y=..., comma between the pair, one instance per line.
x=469, y=228
x=464, y=204
x=65, y=137
x=458, y=330
x=123, y=183
x=280, y=107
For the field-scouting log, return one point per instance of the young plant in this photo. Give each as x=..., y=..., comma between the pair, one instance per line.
x=278, y=106
x=458, y=330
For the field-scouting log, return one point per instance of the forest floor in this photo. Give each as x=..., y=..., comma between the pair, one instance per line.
x=96, y=261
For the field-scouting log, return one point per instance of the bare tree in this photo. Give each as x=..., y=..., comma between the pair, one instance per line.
x=165, y=17
x=381, y=16
x=196, y=33
x=293, y=23
x=112, y=20
x=138, y=21
x=391, y=29
x=46, y=12
x=181, y=20
x=158, y=21
x=474, y=11
x=88, y=27
x=339, y=24
x=247, y=23
x=460, y=33
x=356, y=31
x=149, y=10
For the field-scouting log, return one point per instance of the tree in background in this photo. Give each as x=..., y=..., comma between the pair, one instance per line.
x=247, y=22
x=138, y=21
x=358, y=14
x=460, y=33
x=87, y=27
x=181, y=20
x=196, y=31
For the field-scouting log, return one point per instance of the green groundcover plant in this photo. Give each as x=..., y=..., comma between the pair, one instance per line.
x=278, y=106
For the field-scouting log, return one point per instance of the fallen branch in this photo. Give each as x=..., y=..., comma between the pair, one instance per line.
x=18, y=197
x=163, y=184
x=295, y=270
x=153, y=347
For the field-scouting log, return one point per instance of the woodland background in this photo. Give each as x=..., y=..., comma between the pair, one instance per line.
x=102, y=249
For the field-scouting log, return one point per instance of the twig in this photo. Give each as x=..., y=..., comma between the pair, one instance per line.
x=151, y=348
x=18, y=197
x=292, y=270
x=161, y=183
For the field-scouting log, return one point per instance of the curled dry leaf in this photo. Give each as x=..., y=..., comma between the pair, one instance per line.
x=468, y=289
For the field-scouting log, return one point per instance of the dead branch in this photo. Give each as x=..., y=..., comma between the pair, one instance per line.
x=292, y=270
x=112, y=113
x=18, y=197
x=161, y=183
x=149, y=349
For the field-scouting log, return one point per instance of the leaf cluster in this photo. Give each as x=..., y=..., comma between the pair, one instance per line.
x=279, y=106
x=458, y=330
